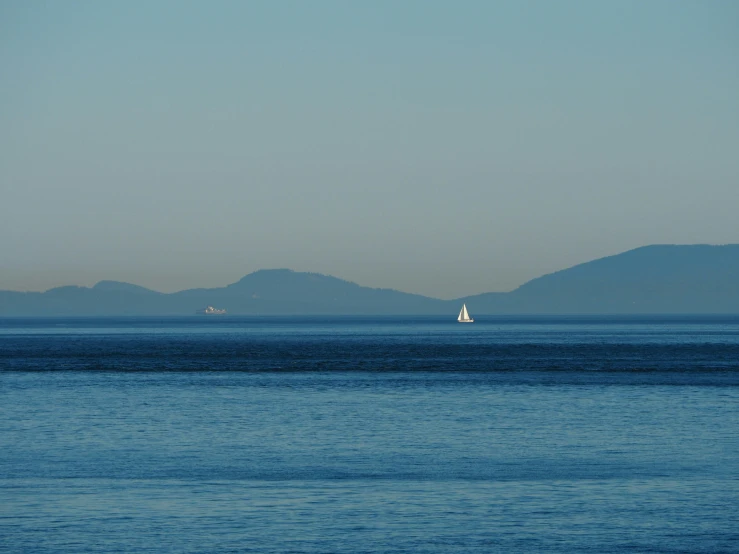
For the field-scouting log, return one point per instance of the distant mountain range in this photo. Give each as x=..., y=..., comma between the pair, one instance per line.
x=653, y=279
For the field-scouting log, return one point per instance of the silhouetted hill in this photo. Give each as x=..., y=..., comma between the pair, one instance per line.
x=265, y=292
x=282, y=291
x=652, y=279
x=118, y=286
x=105, y=298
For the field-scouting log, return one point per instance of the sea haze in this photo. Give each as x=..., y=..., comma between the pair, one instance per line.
x=658, y=279
x=392, y=434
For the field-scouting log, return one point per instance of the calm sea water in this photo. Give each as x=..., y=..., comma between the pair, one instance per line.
x=369, y=435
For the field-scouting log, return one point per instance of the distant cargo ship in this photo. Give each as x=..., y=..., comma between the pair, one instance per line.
x=210, y=310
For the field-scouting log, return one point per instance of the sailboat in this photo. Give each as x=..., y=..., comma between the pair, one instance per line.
x=464, y=317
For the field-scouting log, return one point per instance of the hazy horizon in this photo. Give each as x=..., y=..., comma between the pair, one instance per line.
x=443, y=149
x=370, y=285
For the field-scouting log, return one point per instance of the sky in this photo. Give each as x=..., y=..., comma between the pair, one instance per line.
x=442, y=148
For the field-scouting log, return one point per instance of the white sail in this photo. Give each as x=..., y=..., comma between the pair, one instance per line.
x=464, y=317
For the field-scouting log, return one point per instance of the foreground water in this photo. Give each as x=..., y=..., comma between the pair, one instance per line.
x=369, y=435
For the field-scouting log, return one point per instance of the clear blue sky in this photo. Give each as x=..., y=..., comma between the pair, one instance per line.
x=446, y=148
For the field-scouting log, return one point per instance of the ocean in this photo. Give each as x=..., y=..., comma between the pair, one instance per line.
x=417, y=434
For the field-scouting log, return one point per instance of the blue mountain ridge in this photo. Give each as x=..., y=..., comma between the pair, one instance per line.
x=654, y=279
